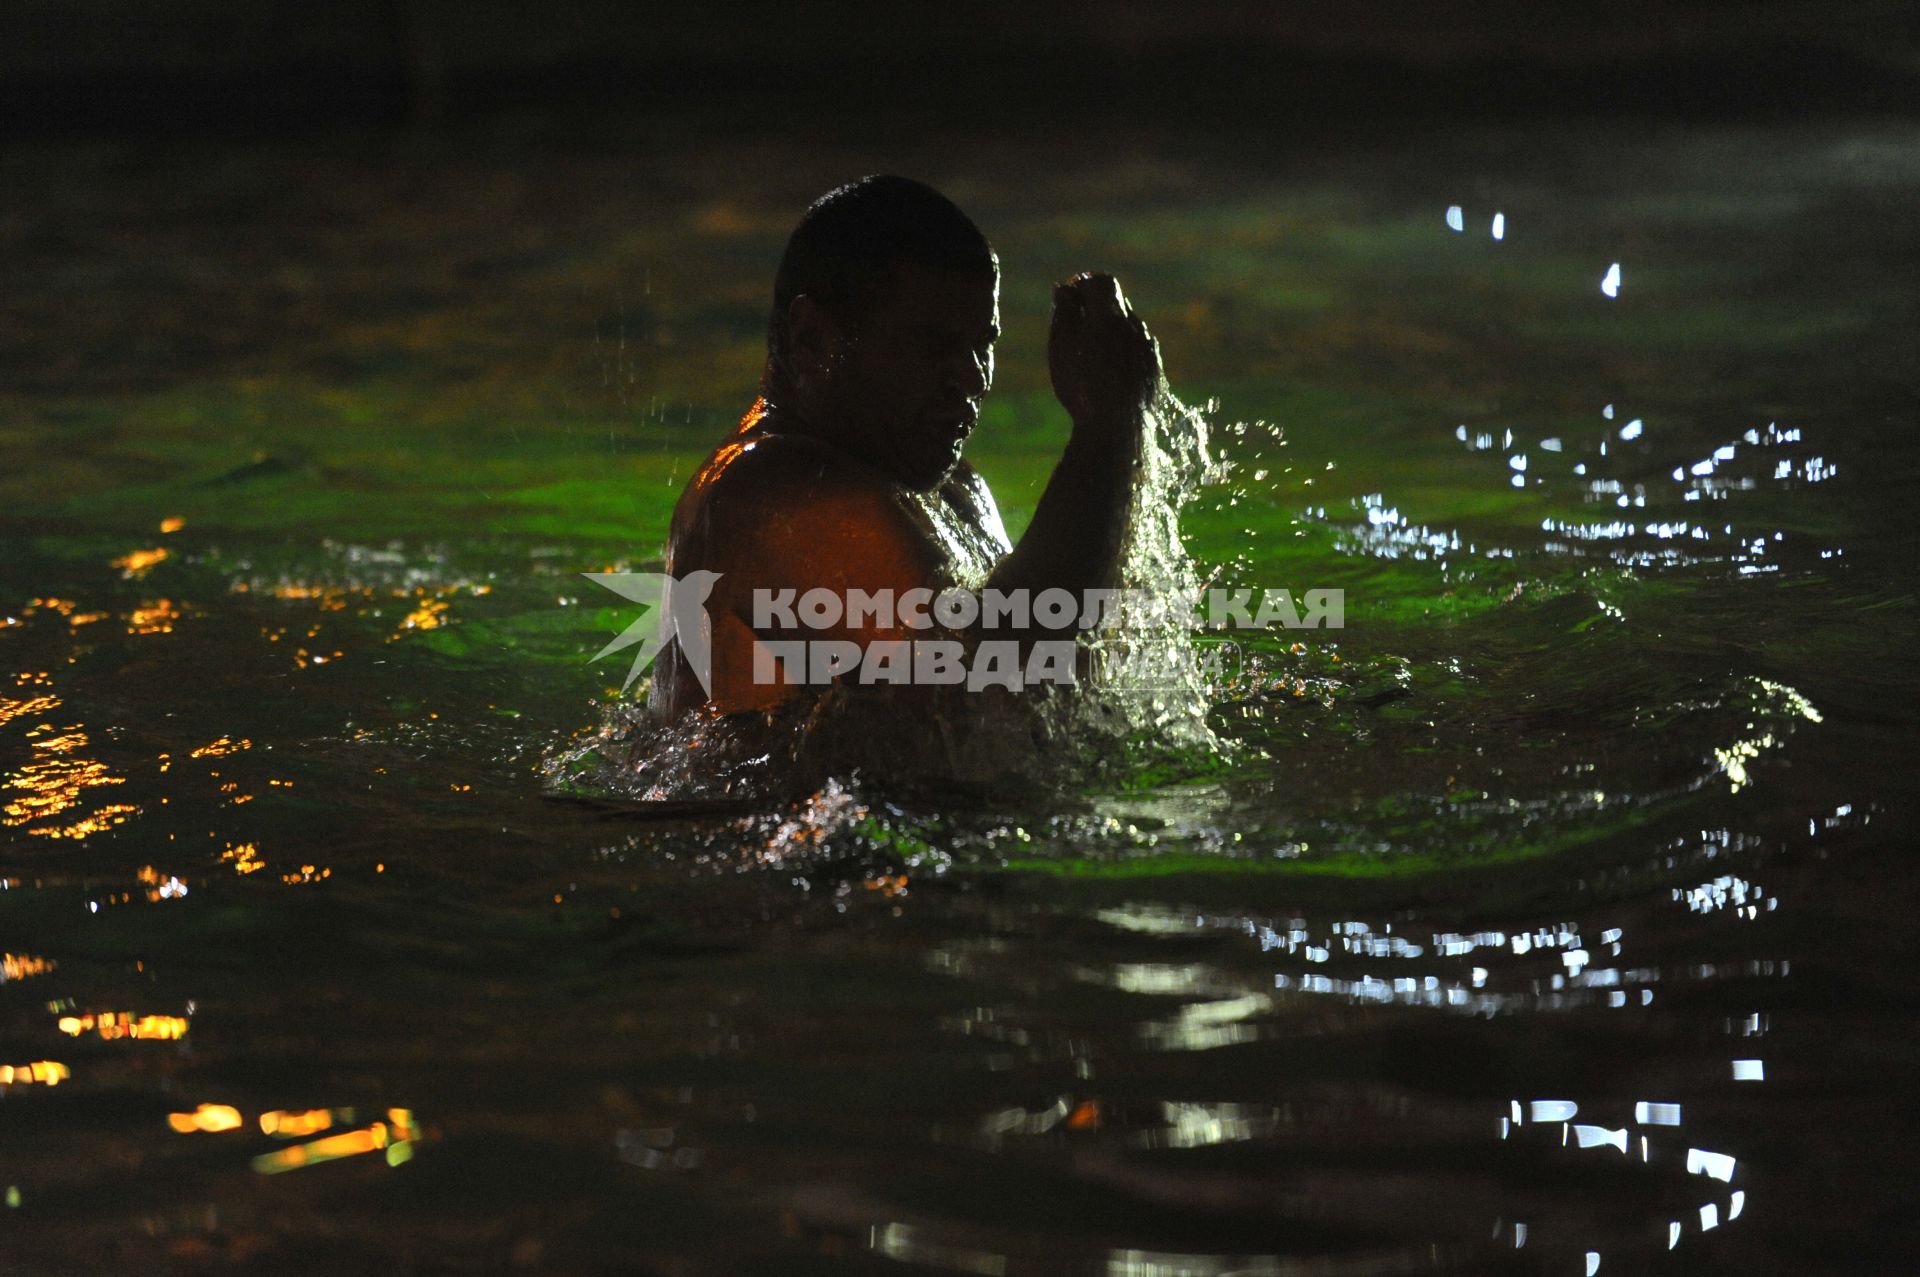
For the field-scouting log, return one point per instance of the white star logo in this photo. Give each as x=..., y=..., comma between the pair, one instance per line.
x=676, y=611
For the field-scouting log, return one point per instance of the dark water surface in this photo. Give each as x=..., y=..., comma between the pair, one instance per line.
x=1555, y=913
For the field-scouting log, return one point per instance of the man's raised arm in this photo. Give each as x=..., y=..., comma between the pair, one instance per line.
x=1106, y=372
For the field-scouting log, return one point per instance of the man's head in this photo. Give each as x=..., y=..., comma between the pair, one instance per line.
x=885, y=310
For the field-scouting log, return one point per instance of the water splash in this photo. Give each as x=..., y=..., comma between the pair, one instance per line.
x=1154, y=684
x=1148, y=696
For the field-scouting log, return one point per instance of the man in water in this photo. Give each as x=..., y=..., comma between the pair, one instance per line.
x=846, y=473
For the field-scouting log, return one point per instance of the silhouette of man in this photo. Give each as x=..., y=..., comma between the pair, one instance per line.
x=846, y=474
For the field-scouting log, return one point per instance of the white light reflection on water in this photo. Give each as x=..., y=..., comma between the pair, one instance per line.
x=1724, y=892
x=1575, y=983
x=1718, y=1166
x=1202, y=1026
x=1204, y=1125
x=908, y=1245
x=1580, y=1138
x=1733, y=759
x=1527, y=966
x=1405, y=991
x=1147, y=1263
x=930, y=1245
x=1391, y=532
x=1569, y=946
x=1596, y=1136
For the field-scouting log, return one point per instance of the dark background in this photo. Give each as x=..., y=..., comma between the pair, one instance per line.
x=200, y=66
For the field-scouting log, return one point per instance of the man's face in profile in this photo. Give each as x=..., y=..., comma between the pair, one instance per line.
x=914, y=368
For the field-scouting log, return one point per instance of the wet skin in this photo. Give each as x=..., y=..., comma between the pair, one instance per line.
x=847, y=473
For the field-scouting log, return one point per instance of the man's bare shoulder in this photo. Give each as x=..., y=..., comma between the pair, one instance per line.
x=781, y=506
x=764, y=468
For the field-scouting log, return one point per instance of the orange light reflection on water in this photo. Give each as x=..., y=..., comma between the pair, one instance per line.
x=396, y=1135
x=283, y=1124
x=46, y=1072
x=244, y=858
x=427, y=616
x=161, y=886
x=139, y=562
x=211, y=1118
x=54, y=781
x=18, y=966
x=11, y=709
x=113, y=1025
x=66, y=609
x=156, y=617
